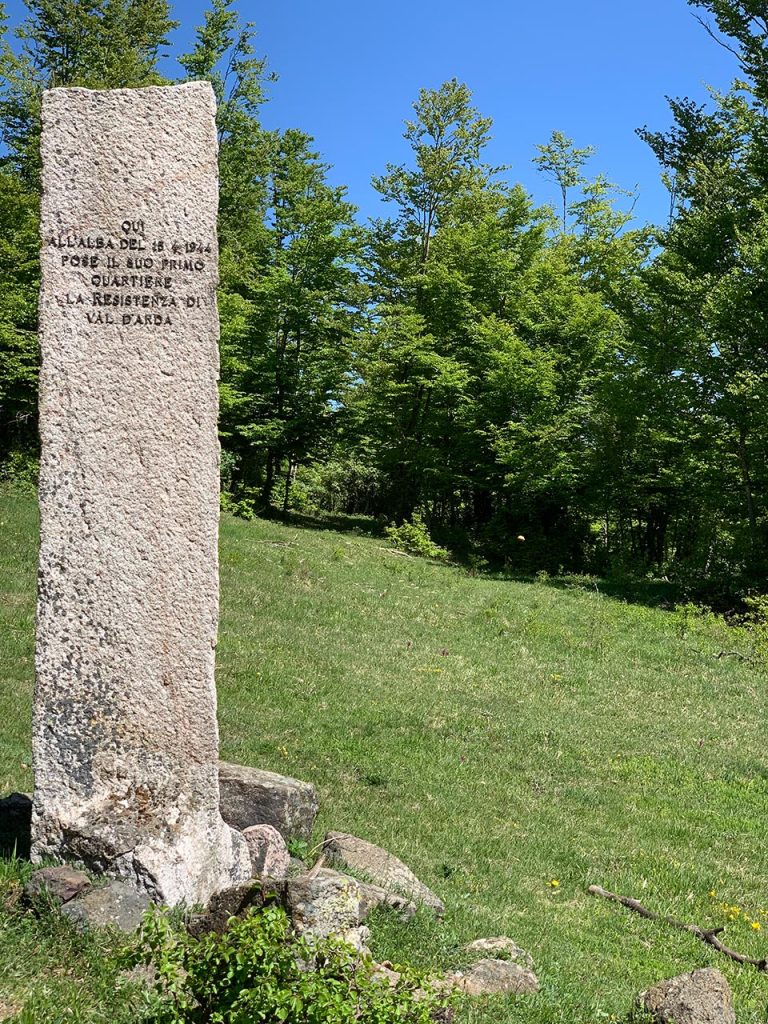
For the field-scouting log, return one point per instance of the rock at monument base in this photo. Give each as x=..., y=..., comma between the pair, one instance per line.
x=375, y=896
x=15, y=825
x=125, y=739
x=269, y=854
x=494, y=977
x=701, y=997
x=325, y=903
x=115, y=905
x=61, y=884
x=233, y=902
x=250, y=796
x=379, y=867
x=502, y=945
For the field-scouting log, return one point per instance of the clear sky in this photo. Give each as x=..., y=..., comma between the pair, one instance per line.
x=595, y=69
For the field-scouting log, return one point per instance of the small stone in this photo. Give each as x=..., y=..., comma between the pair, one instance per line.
x=701, y=997
x=116, y=905
x=61, y=884
x=503, y=947
x=223, y=906
x=495, y=977
x=325, y=903
x=269, y=854
x=250, y=796
x=384, y=972
x=379, y=867
x=142, y=975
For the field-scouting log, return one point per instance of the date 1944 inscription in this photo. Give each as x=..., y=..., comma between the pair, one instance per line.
x=132, y=280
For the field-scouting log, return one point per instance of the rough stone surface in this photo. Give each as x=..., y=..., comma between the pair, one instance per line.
x=250, y=796
x=374, y=896
x=15, y=825
x=702, y=997
x=233, y=902
x=269, y=854
x=499, y=945
x=297, y=867
x=115, y=905
x=125, y=739
x=494, y=977
x=61, y=884
x=379, y=867
x=324, y=903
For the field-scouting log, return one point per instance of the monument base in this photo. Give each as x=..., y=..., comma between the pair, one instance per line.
x=186, y=864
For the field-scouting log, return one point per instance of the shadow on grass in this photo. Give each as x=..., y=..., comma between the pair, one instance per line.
x=336, y=522
x=651, y=593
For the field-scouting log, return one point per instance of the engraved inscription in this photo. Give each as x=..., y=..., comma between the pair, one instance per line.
x=131, y=278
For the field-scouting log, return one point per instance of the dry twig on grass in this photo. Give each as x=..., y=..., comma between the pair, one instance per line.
x=708, y=935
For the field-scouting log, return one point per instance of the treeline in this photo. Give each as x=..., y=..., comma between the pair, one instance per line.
x=493, y=368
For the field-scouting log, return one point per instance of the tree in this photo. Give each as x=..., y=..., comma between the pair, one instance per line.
x=90, y=43
x=560, y=160
x=447, y=137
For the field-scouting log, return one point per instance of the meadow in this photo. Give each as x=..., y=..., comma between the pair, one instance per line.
x=513, y=742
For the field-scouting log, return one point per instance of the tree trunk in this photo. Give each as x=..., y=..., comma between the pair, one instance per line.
x=746, y=480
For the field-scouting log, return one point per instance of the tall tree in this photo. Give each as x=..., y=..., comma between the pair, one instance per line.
x=90, y=43
x=560, y=160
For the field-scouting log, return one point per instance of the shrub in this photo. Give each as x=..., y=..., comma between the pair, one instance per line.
x=258, y=971
x=414, y=538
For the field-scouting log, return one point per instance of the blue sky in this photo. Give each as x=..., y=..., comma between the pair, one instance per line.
x=595, y=69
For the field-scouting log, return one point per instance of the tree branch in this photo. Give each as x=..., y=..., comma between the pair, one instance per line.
x=707, y=935
x=718, y=39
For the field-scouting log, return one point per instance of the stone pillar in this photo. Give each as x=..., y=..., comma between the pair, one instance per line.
x=125, y=736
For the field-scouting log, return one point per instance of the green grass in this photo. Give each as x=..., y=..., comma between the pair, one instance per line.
x=497, y=736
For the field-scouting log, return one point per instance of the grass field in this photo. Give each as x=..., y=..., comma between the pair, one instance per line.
x=499, y=736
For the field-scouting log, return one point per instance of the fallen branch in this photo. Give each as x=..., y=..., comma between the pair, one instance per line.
x=735, y=654
x=708, y=935
x=744, y=658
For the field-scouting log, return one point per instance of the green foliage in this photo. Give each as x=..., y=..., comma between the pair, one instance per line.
x=594, y=385
x=258, y=971
x=560, y=160
x=413, y=538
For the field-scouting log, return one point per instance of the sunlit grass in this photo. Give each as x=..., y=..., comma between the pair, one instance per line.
x=495, y=735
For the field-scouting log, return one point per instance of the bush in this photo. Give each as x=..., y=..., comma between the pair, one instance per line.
x=414, y=538
x=258, y=971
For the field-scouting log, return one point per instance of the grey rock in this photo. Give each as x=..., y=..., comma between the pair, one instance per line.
x=15, y=825
x=269, y=854
x=385, y=972
x=115, y=905
x=125, y=738
x=142, y=976
x=296, y=867
x=250, y=796
x=325, y=903
x=502, y=945
x=232, y=903
x=374, y=896
x=701, y=997
x=495, y=977
x=379, y=867
x=61, y=884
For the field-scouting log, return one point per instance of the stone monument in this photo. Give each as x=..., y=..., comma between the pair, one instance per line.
x=125, y=735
